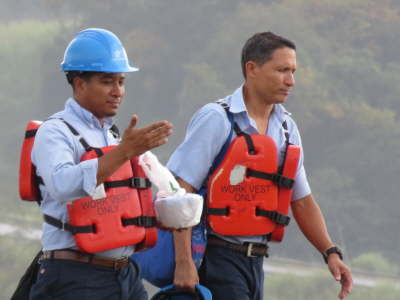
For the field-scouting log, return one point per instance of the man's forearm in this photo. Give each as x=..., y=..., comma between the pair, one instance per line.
x=311, y=222
x=183, y=238
x=182, y=244
x=109, y=163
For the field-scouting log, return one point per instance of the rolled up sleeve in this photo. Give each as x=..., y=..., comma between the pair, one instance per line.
x=89, y=174
x=301, y=187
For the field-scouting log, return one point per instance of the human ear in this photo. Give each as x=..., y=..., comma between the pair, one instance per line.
x=251, y=69
x=79, y=84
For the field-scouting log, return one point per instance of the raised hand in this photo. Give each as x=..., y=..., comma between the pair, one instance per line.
x=136, y=141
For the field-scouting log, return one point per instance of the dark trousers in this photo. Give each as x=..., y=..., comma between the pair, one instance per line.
x=232, y=275
x=71, y=280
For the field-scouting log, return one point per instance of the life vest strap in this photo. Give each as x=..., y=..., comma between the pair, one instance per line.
x=250, y=144
x=134, y=182
x=277, y=178
x=30, y=133
x=39, y=180
x=142, y=221
x=247, y=137
x=218, y=211
x=86, y=145
x=83, y=142
x=115, y=131
x=275, y=216
x=68, y=227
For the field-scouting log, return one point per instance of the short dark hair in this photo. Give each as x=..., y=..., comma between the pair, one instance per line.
x=259, y=48
x=85, y=75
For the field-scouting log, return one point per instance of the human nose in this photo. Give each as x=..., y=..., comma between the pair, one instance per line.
x=118, y=90
x=289, y=79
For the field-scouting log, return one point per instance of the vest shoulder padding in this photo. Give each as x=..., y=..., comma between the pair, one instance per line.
x=28, y=185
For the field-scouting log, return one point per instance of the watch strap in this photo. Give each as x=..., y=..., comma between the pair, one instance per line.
x=330, y=251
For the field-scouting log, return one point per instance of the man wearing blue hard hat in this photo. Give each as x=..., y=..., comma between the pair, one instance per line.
x=79, y=158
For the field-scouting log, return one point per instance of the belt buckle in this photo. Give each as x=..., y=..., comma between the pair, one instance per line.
x=118, y=263
x=45, y=255
x=249, y=249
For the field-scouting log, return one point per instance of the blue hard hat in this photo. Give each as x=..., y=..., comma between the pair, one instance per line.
x=171, y=293
x=96, y=50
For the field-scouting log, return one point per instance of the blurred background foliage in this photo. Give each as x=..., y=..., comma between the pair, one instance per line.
x=345, y=101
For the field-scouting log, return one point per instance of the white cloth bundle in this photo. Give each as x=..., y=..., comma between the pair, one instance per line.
x=179, y=211
x=174, y=207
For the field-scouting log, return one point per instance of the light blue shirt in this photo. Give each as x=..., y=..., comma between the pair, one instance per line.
x=56, y=154
x=207, y=132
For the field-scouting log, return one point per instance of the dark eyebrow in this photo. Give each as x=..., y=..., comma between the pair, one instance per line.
x=111, y=76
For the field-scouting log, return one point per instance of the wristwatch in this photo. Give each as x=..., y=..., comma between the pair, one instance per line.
x=330, y=251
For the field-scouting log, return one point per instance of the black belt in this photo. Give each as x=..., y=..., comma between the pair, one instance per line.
x=69, y=254
x=247, y=248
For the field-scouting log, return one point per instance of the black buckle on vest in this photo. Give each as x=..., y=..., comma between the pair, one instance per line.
x=284, y=182
x=140, y=183
x=280, y=219
x=133, y=182
x=278, y=179
x=275, y=216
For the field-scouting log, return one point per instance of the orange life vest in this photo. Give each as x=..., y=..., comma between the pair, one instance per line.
x=124, y=217
x=258, y=204
x=28, y=182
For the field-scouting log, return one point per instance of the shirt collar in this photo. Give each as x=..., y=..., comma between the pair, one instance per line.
x=237, y=105
x=280, y=112
x=86, y=116
x=237, y=102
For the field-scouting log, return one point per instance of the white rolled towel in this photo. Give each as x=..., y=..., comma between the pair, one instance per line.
x=174, y=207
x=179, y=211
